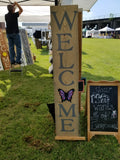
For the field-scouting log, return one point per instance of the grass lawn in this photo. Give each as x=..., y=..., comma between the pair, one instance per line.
x=27, y=129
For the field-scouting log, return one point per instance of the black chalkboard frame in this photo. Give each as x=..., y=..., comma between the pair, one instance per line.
x=90, y=133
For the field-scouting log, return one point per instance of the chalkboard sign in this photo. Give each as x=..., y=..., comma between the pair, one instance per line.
x=103, y=108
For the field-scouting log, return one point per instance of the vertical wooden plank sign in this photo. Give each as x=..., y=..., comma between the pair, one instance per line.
x=1, y=66
x=26, y=47
x=4, y=51
x=80, y=49
x=64, y=25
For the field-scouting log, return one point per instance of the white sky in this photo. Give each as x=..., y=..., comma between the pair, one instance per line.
x=103, y=9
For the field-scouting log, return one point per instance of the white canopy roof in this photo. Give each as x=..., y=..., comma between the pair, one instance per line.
x=29, y=2
x=37, y=13
x=106, y=29
x=117, y=29
x=94, y=30
x=85, y=4
x=30, y=14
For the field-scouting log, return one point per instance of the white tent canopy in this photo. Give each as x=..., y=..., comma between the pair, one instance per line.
x=85, y=4
x=92, y=30
x=29, y=2
x=34, y=11
x=117, y=29
x=30, y=14
x=106, y=29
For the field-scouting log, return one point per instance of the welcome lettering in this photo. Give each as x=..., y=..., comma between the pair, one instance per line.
x=64, y=20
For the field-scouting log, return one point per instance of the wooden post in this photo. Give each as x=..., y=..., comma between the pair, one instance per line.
x=80, y=48
x=64, y=23
x=119, y=114
x=56, y=2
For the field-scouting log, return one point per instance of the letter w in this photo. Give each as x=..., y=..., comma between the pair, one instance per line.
x=67, y=18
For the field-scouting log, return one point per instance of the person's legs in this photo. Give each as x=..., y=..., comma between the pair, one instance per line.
x=11, y=48
x=17, y=42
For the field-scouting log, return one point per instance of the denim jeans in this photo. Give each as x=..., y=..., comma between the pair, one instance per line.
x=14, y=40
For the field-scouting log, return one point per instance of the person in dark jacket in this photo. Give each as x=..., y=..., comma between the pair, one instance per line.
x=12, y=32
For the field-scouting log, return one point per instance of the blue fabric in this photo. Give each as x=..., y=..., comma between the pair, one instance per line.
x=14, y=40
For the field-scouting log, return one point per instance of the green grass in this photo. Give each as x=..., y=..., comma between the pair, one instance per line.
x=27, y=130
x=100, y=59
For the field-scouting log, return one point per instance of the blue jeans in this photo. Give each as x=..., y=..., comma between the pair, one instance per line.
x=14, y=40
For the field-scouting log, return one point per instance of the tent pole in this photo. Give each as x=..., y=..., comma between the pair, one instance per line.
x=56, y=2
x=4, y=2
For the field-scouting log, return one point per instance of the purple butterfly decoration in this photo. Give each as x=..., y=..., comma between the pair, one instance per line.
x=66, y=95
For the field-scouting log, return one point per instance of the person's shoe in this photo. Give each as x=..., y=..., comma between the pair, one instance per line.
x=12, y=63
x=18, y=62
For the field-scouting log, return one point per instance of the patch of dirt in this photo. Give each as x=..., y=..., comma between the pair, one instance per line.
x=38, y=144
x=1, y=99
x=27, y=105
x=32, y=105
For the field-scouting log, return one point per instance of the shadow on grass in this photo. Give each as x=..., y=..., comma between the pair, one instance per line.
x=90, y=76
x=44, y=50
x=84, y=53
x=29, y=125
x=36, y=70
x=35, y=77
x=36, y=84
x=87, y=65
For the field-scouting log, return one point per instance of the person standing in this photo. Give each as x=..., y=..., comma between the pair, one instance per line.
x=12, y=32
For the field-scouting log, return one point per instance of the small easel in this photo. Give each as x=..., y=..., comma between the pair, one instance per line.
x=102, y=95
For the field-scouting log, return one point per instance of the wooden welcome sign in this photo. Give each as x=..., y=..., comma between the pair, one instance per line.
x=64, y=24
x=4, y=50
x=103, y=108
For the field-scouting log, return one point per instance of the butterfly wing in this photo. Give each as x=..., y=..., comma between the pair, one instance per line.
x=62, y=94
x=70, y=94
